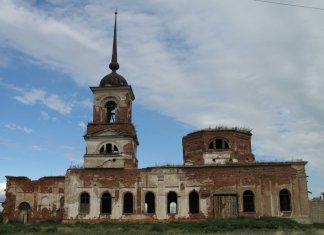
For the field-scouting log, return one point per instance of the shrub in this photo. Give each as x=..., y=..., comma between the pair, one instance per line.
x=1, y=217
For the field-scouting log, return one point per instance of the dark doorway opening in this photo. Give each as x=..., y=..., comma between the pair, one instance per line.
x=248, y=201
x=149, y=203
x=194, y=202
x=106, y=203
x=128, y=203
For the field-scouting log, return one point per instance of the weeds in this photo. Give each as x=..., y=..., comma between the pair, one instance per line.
x=241, y=225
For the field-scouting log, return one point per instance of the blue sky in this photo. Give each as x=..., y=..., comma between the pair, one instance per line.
x=192, y=65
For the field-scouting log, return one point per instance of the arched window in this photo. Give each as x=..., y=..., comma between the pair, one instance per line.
x=106, y=203
x=193, y=202
x=111, y=111
x=24, y=206
x=172, y=203
x=218, y=144
x=284, y=197
x=128, y=203
x=149, y=203
x=248, y=201
x=108, y=148
x=45, y=202
x=84, y=203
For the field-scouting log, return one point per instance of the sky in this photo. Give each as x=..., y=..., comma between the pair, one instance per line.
x=191, y=64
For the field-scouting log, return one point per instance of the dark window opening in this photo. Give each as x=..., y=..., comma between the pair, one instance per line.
x=248, y=201
x=106, y=203
x=102, y=149
x=111, y=111
x=218, y=144
x=84, y=203
x=193, y=202
x=149, y=203
x=62, y=203
x=172, y=203
x=128, y=203
x=211, y=145
x=108, y=149
x=285, y=204
x=24, y=206
x=226, y=145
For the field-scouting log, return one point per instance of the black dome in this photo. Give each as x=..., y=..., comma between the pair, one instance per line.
x=113, y=79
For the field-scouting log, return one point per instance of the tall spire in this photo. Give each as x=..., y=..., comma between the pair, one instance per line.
x=114, y=64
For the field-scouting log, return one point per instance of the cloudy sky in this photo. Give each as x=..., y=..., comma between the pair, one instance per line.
x=192, y=64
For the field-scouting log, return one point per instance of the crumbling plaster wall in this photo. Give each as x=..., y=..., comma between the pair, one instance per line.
x=43, y=195
x=264, y=179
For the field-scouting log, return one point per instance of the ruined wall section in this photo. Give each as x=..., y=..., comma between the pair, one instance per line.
x=265, y=180
x=317, y=210
x=44, y=196
x=196, y=149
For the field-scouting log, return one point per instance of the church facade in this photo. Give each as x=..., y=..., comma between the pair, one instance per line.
x=219, y=178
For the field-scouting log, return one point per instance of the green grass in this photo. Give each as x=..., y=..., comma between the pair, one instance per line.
x=265, y=225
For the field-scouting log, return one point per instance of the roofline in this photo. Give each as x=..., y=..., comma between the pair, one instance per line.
x=129, y=87
x=248, y=164
x=232, y=165
x=225, y=129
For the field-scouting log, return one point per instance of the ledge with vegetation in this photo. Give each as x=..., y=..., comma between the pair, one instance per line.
x=263, y=225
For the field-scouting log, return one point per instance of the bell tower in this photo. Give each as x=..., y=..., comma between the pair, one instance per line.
x=111, y=139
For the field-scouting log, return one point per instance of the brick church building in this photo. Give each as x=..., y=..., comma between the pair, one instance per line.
x=219, y=178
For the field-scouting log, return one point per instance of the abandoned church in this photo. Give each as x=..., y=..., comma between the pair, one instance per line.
x=219, y=178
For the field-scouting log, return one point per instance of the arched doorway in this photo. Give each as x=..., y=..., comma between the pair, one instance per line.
x=149, y=203
x=106, y=203
x=193, y=202
x=128, y=203
x=23, y=215
x=172, y=203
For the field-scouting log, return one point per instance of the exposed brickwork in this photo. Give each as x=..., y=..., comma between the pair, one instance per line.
x=122, y=128
x=23, y=190
x=197, y=143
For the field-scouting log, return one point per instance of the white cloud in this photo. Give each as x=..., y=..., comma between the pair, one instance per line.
x=44, y=115
x=51, y=101
x=82, y=125
x=31, y=97
x=54, y=102
x=14, y=127
x=27, y=130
